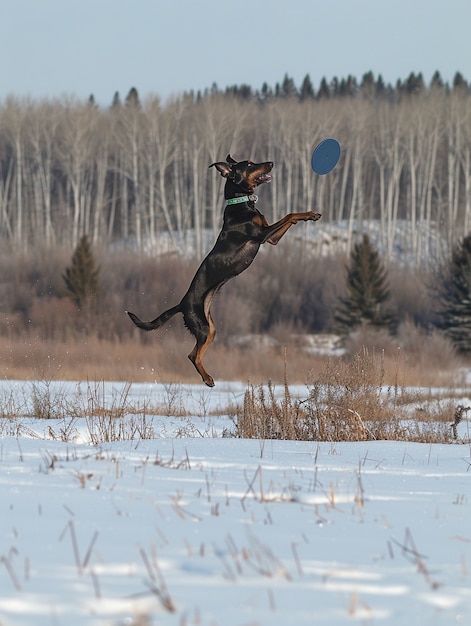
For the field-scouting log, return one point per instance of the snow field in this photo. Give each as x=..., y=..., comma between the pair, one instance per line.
x=205, y=530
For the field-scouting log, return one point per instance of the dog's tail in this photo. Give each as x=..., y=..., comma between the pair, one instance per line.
x=159, y=321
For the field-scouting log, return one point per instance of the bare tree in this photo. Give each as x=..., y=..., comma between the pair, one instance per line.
x=130, y=137
x=68, y=167
x=14, y=130
x=101, y=167
x=388, y=149
x=42, y=127
x=160, y=152
x=76, y=150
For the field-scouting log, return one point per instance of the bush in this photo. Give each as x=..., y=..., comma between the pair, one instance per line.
x=348, y=401
x=281, y=293
x=411, y=296
x=418, y=347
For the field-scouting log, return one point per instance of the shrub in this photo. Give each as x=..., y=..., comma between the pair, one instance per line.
x=348, y=401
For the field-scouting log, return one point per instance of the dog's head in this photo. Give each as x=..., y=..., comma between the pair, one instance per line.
x=246, y=175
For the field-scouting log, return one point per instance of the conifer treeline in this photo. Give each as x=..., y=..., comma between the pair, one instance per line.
x=140, y=168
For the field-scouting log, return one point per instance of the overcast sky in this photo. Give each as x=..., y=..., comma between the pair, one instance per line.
x=52, y=48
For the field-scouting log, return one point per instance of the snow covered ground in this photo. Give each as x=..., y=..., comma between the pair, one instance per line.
x=189, y=528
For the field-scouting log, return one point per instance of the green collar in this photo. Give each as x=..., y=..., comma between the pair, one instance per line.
x=252, y=198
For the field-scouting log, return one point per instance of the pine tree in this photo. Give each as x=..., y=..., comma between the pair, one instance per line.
x=266, y=91
x=454, y=291
x=324, y=91
x=307, y=90
x=335, y=87
x=437, y=82
x=415, y=83
x=459, y=83
x=367, y=290
x=288, y=88
x=368, y=86
x=81, y=278
x=116, y=102
x=132, y=99
x=380, y=86
x=348, y=87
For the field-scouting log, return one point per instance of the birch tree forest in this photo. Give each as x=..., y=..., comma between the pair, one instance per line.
x=133, y=171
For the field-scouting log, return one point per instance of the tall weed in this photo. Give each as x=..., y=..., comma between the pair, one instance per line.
x=347, y=401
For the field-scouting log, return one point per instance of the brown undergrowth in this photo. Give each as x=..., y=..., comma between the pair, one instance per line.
x=366, y=397
x=145, y=358
x=349, y=400
x=162, y=357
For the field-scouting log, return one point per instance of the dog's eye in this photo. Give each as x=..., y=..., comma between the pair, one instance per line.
x=249, y=164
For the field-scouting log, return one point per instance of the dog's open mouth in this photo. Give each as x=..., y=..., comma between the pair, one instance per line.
x=263, y=178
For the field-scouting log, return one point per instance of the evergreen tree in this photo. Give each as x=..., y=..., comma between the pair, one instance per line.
x=335, y=87
x=266, y=91
x=245, y=92
x=307, y=90
x=348, y=87
x=459, y=83
x=380, y=86
x=415, y=83
x=116, y=102
x=399, y=87
x=81, y=278
x=288, y=88
x=437, y=82
x=367, y=290
x=324, y=91
x=132, y=99
x=454, y=291
x=368, y=86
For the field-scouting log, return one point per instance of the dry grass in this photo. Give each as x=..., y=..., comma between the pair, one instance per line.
x=109, y=417
x=376, y=394
x=162, y=357
x=426, y=358
x=144, y=358
x=348, y=401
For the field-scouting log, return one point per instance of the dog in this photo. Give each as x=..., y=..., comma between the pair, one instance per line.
x=244, y=230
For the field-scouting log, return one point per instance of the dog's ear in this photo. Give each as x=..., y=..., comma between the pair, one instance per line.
x=223, y=168
x=230, y=160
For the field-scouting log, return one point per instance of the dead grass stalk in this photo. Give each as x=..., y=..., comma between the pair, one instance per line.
x=347, y=401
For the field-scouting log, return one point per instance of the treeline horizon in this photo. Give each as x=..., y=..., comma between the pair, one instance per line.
x=137, y=169
x=369, y=86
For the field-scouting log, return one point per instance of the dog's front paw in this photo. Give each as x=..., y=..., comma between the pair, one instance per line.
x=315, y=216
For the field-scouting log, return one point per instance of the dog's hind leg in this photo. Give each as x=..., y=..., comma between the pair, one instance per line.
x=204, y=340
x=204, y=331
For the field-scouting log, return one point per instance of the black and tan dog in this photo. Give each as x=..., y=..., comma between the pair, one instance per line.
x=243, y=231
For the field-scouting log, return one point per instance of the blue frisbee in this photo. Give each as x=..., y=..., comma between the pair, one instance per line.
x=325, y=156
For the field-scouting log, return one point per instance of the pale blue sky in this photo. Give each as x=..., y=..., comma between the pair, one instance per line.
x=50, y=48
